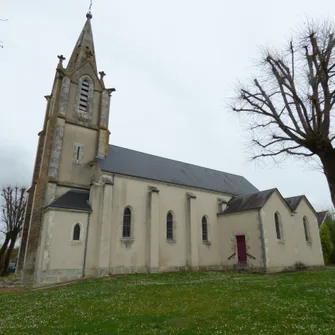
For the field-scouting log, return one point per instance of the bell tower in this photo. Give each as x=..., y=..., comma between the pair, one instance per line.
x=75, y=133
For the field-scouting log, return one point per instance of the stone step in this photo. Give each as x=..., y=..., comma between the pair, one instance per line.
x=6, y=282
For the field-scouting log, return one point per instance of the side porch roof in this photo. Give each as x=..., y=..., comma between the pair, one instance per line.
x=248, y=202
x=73, y=199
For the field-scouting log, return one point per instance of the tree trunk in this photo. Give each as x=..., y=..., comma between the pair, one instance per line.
x=4, y=269
x=328, y=162
x=3, y=249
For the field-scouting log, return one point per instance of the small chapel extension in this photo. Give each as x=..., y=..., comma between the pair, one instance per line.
x=95, y=208
x=272, y=230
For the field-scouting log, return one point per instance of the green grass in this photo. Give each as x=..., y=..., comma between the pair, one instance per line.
x=179, y=303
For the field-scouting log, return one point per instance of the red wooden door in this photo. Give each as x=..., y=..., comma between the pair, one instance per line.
x=241, y=249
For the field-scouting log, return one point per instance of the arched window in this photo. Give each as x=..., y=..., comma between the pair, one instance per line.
x=76, y=232
x=126, y=230
x=306, y=229
x=278, y=226
x=84, y=91
x=169, y=226
x=204, y=226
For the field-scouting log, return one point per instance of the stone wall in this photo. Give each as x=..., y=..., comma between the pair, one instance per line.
x=30, y=200
x=10, y=282
x=34, y=213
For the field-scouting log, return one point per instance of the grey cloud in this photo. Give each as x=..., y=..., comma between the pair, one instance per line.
x=15, y=167
x=174, y=65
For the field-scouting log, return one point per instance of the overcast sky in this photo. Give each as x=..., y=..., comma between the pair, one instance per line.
x=174, y=65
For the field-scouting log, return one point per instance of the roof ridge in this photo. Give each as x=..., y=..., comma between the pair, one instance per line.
x=295, y=196
x=296, y=200
x=250, y=194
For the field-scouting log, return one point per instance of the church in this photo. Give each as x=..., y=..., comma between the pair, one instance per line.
x=96, y=209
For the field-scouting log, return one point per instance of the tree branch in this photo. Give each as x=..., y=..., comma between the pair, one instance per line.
x=293, y=101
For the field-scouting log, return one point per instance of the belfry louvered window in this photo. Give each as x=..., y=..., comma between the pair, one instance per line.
x=83, y=103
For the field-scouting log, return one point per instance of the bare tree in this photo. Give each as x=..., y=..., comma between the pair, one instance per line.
x=290, y=104
x=13, y=209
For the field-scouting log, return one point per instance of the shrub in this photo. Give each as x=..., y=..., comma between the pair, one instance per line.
x=326, y=242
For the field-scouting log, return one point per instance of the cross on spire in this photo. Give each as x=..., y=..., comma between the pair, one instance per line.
x=89, y=13
x=61, y=59
x=102, y=74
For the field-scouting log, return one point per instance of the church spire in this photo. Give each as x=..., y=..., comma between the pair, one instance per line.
x=84, y=48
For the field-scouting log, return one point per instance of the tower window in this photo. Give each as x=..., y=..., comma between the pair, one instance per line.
x=84, y=98
x=83, y=102
x=78, y=153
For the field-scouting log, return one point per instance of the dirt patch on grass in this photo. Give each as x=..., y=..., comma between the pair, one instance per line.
x=12, y=289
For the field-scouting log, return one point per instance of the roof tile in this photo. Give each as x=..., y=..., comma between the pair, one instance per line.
x=248, y=202
x=133, y=163
x=73, y=199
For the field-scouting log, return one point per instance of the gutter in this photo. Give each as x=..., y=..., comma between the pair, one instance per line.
x=86, y=241
x=261, y=228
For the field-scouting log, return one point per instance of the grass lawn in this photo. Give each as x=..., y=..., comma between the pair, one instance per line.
x=179, y=303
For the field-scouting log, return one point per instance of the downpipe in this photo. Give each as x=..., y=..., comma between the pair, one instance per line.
x=86, y=241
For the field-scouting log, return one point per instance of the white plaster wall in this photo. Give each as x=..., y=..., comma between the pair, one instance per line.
x=174, y=200
x=58, y=251
x=242, y=223
x=109, y=201
x=134, y=192
x=281, y=254
x=207, y=204
x=77, y=173
x=309, y=253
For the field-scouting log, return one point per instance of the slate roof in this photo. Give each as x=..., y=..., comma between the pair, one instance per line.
x=138, y=164
x=247, y=202
x=73, y=199
x=294, y=202
x=321, y=216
